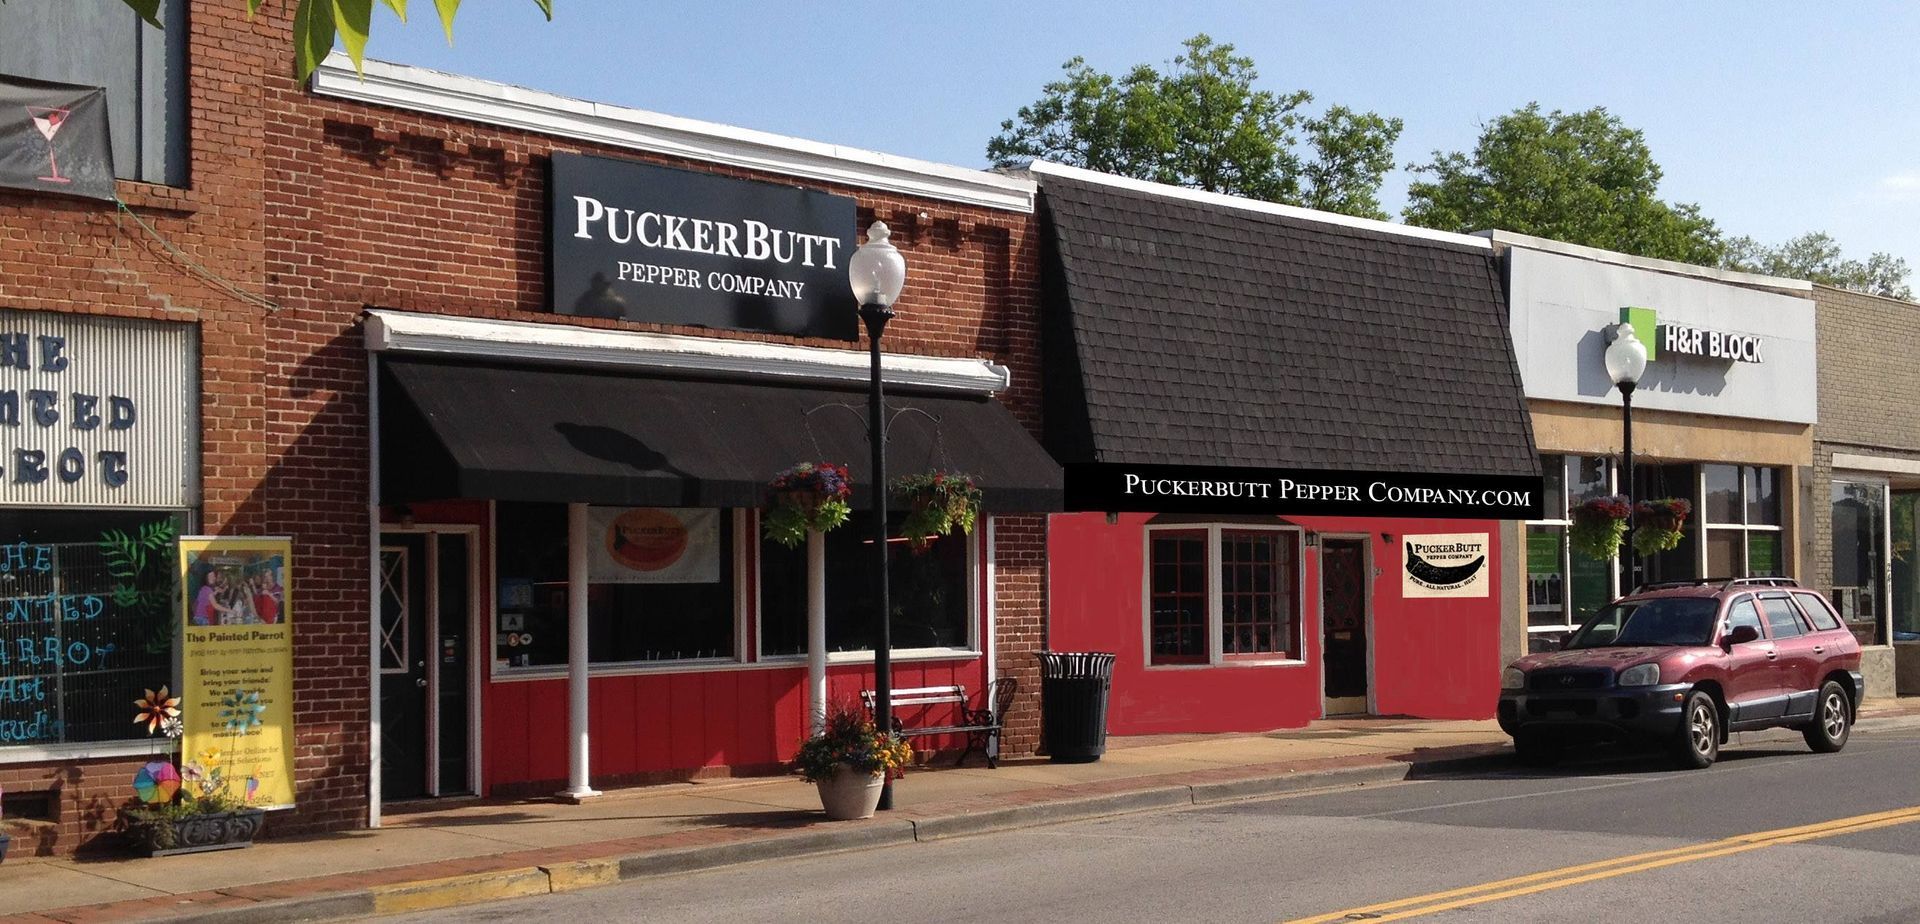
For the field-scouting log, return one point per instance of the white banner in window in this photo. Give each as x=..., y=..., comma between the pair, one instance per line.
x=1445, y=565
x=653, y=545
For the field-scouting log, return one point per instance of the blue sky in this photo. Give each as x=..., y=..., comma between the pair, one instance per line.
x=1776, y=118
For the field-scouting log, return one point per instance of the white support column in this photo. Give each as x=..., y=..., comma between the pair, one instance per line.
x=816, y=631
x=578, y=787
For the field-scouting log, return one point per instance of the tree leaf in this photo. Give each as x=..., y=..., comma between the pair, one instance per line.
x=399, y=8
x=546, y=6
x=149, y=10
x=253, y=6
x=447, y=8
x=352, y=19
x=312, y=36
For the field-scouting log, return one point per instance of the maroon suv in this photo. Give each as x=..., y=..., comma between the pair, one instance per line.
x=1684, y=664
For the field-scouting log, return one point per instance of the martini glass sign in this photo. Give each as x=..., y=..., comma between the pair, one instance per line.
x=49, y=121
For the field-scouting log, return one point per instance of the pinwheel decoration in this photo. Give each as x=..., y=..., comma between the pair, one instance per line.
x=158, y=710
x=156, y=783
x=242, y=711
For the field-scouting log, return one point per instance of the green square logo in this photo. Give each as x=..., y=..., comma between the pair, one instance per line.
x=1646, y=327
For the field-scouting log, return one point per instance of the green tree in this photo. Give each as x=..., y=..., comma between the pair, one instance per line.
x=317, y=22
x=1202, y=124
x=1581, y=177
x=1817, y=257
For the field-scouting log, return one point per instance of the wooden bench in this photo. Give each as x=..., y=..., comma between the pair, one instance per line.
x=981, y=726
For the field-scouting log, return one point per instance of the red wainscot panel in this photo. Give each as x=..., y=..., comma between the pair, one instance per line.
x=678, y=725
x=1431, y=658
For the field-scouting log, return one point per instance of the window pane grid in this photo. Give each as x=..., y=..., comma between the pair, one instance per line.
x=1256, y=568
x=1178, y=598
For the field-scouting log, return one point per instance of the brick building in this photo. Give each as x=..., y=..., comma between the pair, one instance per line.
x=1865, y=482
x=360, y=273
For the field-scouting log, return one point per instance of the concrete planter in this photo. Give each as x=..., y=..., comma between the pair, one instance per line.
x=850, y=794
x=196, y=833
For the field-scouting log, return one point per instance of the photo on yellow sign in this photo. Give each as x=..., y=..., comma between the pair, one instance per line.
x=236, y=666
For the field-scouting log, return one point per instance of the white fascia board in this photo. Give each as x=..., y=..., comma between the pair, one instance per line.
x=1674, y=267
x=1221, y=200
x=418, y=89
x=1853, y=462
x=477, y=338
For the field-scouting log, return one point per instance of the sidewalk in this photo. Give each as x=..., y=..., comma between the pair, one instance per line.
x=479, y=851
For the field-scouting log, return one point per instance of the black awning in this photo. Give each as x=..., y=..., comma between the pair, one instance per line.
x=542, y=434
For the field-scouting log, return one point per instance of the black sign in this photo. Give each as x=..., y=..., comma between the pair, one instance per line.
x=646, y=243
x=53, y=138
x=1120, y=488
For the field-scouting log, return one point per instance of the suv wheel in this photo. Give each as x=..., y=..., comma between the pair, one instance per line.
x=1696, y=742
x=1832, y=721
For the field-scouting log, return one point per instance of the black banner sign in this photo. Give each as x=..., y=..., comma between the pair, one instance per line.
x=1121, y=488
x=646, y=243
x=53, y=138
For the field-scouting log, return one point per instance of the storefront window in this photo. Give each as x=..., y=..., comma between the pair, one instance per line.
x=649, y=610
x=1564, y=588
x=1681, y=480
x=1743, y=521
x=1258, y=571
x=1859, y=543
x=928, y=591
x=1906, y=591
x=87, y=609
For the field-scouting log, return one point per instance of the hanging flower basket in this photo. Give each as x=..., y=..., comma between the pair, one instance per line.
x=1657, y=523
x=808, y=496
x=937, y=503
x=1599, y=525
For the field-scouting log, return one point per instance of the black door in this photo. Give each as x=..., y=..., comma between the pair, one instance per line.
x=403, y=665
x=454, y=605
x=1343, y=642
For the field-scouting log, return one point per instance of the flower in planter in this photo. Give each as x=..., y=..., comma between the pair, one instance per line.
x=1599, y=525
x=157, y=709
x=851, y=740
x=1657, y=524
x=937, y=503
x=807, y=497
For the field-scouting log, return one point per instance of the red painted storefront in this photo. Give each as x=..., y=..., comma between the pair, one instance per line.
x=1431, y=658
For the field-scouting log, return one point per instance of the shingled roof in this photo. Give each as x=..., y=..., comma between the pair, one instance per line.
x=1190, y=328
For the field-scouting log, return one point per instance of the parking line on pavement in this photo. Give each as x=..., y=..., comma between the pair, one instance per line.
x=1548, y=880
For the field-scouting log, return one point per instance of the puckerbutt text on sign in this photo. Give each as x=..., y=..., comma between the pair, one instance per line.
x=1441, y=565
x=1124, y=488
x=647, y=243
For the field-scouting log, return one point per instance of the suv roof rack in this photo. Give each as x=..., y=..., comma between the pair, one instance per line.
x=1725, y=583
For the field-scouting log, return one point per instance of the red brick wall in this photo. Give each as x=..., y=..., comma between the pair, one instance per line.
x=79, y=256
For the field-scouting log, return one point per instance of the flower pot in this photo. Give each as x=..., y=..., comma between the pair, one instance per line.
x=850, y=794
x=197, y=833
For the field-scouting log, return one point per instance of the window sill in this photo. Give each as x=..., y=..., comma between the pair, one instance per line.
x=179, y=200
x=35, y=753
x=559, y=671
x=1231, y=663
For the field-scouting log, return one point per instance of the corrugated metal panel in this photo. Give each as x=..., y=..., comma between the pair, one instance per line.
x=98, y=412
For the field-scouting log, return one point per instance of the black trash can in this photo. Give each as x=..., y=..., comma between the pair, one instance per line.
x=1073, y=704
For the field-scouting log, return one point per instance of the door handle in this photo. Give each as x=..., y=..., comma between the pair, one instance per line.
x=420, y=682
x=1770, y=656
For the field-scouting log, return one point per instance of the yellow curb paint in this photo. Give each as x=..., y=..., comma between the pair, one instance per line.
x=582, y=874
x=460, y=890
x=1619, y=866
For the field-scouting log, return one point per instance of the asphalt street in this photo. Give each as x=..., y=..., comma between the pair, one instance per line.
x=1772, y=833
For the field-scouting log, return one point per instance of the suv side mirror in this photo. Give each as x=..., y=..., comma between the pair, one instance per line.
x=1739, y=635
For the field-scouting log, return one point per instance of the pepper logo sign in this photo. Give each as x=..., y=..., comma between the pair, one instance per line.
x=1445, y=565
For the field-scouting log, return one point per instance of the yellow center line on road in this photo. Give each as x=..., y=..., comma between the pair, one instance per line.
x=1563, y=877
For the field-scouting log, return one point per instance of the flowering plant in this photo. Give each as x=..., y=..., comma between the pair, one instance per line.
x=1599, y=525
x=808, y=496
x=851, y=739
x=937, y=504
x=198, y=786
x=1657, y=524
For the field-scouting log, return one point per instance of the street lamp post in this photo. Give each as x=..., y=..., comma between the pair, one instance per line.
x=878, y=272
x=1626, y=361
